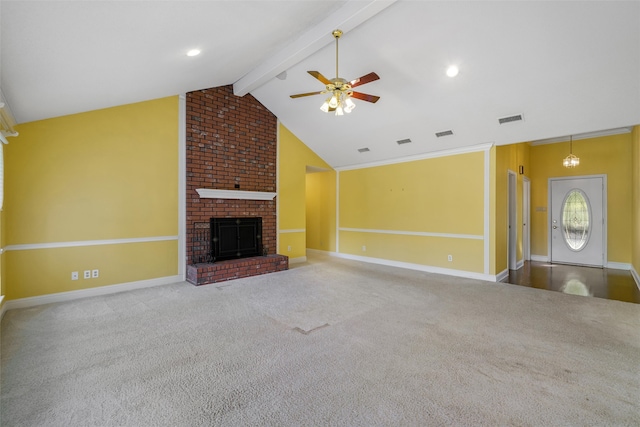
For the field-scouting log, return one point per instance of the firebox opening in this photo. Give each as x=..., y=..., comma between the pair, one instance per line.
x=233, y=238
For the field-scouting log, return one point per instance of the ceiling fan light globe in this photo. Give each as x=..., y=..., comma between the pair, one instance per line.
x=339, y=111
x=325, y=107
x=333, y=103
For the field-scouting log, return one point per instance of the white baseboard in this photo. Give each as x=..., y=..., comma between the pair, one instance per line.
x=618, y=265
x=420, y=267
x=3, y=307
x=519, y=264
x=502, y=275
x=85, y=293
x=636, y=277
x=321, y=252
x=609, y=264
x=298, y=260
x=539, y=258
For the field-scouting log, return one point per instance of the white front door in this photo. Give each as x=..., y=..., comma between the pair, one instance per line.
x=578, y=229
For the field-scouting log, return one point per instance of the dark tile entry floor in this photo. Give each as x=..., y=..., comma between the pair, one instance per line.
x=588, y=281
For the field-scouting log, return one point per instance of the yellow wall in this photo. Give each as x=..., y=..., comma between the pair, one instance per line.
x=321, y=211
x=610, y=155
x=408, y=212
x=46, y=271
x=113, y=174
x=293, y=159
x=635, y=138
x=509, y=158
x=95, y=176
x=2, y=257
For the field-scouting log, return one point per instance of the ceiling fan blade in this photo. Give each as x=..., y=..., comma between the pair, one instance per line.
x=367, y=78
x=320, y=77
x=365, y=97
x=299, y=95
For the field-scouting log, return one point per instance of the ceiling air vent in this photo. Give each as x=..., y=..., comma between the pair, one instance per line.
x=363, y=150
x=510, y=119
x=444, y=133
x=403, y=141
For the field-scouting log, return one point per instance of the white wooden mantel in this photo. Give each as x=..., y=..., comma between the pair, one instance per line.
x=206, y=193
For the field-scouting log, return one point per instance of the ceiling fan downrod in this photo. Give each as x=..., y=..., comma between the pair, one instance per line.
x=337, y=34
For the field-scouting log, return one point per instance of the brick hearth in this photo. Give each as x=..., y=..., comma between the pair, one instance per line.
x=205, y=273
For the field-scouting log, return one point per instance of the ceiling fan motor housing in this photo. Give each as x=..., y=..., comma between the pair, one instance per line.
x=338, y=84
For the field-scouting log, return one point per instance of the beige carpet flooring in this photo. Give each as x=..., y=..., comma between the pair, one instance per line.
x=328, y=343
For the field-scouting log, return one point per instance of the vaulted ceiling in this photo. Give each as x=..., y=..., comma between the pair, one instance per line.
x=567, y=67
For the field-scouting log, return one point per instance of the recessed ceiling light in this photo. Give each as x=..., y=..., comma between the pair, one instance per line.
x=193, y=52
x=452, y=71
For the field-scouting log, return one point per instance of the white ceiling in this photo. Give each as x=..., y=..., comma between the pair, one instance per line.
x=568, y=66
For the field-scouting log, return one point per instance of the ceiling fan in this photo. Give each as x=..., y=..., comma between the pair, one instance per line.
x=341, y=89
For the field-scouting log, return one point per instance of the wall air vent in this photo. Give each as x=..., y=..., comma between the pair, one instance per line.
x=510, y=119
x=403, y=141
x=444, y=133
x=363, y=150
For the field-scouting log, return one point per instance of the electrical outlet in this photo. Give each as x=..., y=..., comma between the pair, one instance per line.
x=95, y=274
x=289, y=248
x=87, y=274
x=74, y=275
x=450, y=258
x=364, y=248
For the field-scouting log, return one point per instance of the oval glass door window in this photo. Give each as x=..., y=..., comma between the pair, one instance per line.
x=576, y=220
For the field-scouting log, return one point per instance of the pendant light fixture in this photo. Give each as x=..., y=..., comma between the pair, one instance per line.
x=570, y=161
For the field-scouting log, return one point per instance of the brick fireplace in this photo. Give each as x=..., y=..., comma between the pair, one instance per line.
x=232, y=146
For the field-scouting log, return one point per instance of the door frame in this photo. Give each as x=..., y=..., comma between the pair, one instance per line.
x=512, y=219
x=526, y=219
x=605, y=217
